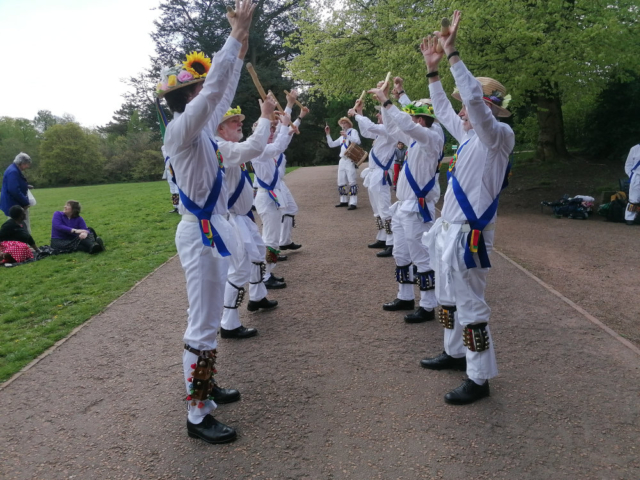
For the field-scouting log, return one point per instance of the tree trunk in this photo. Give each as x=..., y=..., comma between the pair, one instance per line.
x=551, y=146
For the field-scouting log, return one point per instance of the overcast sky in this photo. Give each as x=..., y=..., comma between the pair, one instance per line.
x=69, y=56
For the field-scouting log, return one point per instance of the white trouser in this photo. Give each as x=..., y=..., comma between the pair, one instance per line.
x=634, y=195
x=380, y=198
x=287, y=222
x=271, y=217
x=347, y=178
x=464, y=288
x=408, y=228
x=243, y=267
x=206, y=276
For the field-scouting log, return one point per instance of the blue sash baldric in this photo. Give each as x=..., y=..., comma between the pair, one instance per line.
x=385, y=168
x=633, y=170
x=271, y=187
x=244, y=177
x=475, y=240
x=210, y=236
x=420, y=193
x=346, y=141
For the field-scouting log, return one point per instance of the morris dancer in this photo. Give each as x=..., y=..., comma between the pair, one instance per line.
x=632, y=168
x=204, y=238
x=377, y=179
x=414, y=213
x=291, y=208
x=270, y=200
x=346, y=168
x=248, y=265
x=462, y=237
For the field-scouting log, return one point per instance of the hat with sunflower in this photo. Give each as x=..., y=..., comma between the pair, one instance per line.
x=420, y=107
x=493, y=93
x=193, y=70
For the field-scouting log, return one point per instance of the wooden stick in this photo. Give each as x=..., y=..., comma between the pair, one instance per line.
x=359, y=101
x=231, y=12
x=297, y=102
x=386, y=81
x=256, y=81
x=444, y=32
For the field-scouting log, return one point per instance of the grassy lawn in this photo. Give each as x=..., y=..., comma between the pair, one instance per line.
x=43, y=301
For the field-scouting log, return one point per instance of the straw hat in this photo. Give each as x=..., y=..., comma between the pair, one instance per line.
x=345, y=119
x=193, y=70
x=232, y=113
x=420, y=107
x=493, y=93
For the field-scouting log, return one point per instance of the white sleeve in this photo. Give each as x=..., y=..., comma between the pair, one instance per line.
x=404, y=100
x=236, y=153
x=334, y=143
x=414, y=130
x=632, y=159
x=392, y=128
x=227, y=98
x=353, y=136
x=445, y=113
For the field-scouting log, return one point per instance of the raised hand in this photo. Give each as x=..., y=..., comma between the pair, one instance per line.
x=379, y=94
x=267, y=107
x=431, y=55
x=327, y=129
x=240, y=20
x=448, y=43
x=292, y=96
x=303, y=112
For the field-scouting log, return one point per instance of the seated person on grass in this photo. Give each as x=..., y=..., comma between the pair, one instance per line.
x=16, y=243
x=69, y=232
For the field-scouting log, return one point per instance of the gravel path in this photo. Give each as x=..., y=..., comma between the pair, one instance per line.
x=331, y=387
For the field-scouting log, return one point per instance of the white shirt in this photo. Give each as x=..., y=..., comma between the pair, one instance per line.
x=264, y=164
x=482, y=163
x=425, y=146
x=632, y=160
x=344, y=142
x=188, y=137
x=384, y=148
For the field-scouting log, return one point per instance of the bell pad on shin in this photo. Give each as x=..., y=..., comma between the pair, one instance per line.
x=353, y=190
x=475, y=337
x=426, y=280
x=445, y=316
x=201, y=375
x=402, y=274
x=342, y=190
x=379, y=223
x=175, y=199
x=239, y=298
x=387, y=227
x=633, y=207
x=263, y=270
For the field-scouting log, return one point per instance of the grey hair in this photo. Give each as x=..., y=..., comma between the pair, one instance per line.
x=22, y=159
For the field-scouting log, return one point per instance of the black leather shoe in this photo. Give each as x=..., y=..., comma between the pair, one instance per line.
x=277, y=279
x=265, y=303
x=377, y=244
x=420, y=315
x=291, y=246
x=444, y=362
x=175, y=210
x=398, y=304
x=468, y=392
x=211, y=431
x=352, y=207
x=273, y=284
x=342, y=204
x=225, y=395
x=282, y=258
x=240, y=332
x=387, y=252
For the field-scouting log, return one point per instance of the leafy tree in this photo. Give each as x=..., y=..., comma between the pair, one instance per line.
x=70, y=155
x=546, y=52
x=44, y=120
x=19, y=135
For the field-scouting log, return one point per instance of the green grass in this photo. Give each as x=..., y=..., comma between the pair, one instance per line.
x=43, y=301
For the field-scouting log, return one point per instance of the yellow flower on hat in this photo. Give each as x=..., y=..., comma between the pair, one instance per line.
x=233, y=111
x=197, y=64
x=172, y=81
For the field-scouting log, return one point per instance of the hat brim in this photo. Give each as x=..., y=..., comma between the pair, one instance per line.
x=229, y=117
x=501, y=112
x=178, y=87
x=345, y=119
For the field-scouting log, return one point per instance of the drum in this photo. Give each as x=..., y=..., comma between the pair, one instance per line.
x=356, y=154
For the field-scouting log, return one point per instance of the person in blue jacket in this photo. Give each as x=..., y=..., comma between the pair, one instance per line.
x=15, y=187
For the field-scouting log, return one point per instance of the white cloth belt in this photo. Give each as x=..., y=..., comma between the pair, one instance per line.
x=466, y=227
x=189, y=217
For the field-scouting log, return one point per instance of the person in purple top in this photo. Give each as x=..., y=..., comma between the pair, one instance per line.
x=69, y=232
